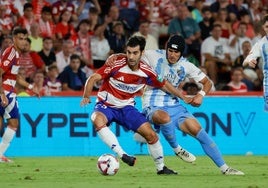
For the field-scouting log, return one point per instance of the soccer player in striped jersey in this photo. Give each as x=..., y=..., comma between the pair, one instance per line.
x=166, y=112
x=9, y=66
x=121, y=83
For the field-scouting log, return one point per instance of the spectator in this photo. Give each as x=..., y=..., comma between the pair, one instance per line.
x=189, y=29
x=46, y=24
x=93, y=19
x=27, y=19
x=64, y=29
x=207, y=23
x=36, y=40
x=236, y=83
x=72, y=77
x=100, y=47
x=118, y=40
x=128, y=12
x=197, y=11
x=38, y=83
x=61, y=6
x=151, y=11
x=47, y=54
x=225, y=25
x=216, y=56
x=83, y=8
x=254, y=7
x=151, y=42
x=6, y=41
x=236, y=40
x=217, y=5
x=82, y=42
x=6, y=22
x=245, y=17
x=38, y=6
x=30, y=61
x=63, y=57
x=52, y=82
x=234, y=10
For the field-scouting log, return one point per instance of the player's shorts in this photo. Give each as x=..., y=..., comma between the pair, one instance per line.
x=129, y=117
x=11, y=111
x=177, y=113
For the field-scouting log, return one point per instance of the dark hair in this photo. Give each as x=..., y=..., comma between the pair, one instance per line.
x=84, y=21
x=27, y=5
x=19, y=30
x=137, y=41
x=47, y=38
x=46, y=9
x=28, y=40
x=75, y=56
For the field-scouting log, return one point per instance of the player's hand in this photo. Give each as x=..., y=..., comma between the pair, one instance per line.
x=187, y=99
x=4, y=100
x=252, y=63
x=197, y=100
x=85, y=101
x=36, y=92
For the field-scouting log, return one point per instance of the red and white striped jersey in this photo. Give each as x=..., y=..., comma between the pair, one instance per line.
x=121, y=84
x=10, y=64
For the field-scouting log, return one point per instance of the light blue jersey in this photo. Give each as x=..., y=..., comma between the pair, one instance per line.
x=260, y=49
x=174, y=73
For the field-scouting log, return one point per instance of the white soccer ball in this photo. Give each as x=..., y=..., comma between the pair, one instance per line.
x=108, y=164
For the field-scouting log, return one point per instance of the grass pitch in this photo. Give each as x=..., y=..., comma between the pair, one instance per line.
x=81, y=172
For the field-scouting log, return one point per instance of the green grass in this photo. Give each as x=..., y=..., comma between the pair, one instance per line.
x=81, y=172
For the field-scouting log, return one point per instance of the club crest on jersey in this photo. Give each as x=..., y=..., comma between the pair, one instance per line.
x=6, y=63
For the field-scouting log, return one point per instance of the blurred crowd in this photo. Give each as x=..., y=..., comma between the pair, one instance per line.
x=70, y=39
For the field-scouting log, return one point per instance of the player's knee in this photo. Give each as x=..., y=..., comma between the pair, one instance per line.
x=151, y=138
x=161, y=117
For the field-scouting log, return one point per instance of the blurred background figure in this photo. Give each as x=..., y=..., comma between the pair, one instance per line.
x=72, y=77
x=236, y=83
x=52, y=83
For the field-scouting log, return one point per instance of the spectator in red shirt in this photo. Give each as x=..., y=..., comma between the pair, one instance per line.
x=38, y=6
x=64, y=29
x=27, y=18
x=61, y=5
x=31, y=61
x=46, y=24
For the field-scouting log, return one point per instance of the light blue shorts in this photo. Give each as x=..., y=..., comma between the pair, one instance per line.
x=177, y=113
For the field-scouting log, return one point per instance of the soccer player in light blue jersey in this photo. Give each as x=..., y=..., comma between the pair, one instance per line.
x=166, y=111
x=260, y=49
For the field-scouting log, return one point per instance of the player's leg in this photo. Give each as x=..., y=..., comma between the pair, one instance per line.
x=155, y=148
x=192, y=127
x=100, y=118
x=168, y=128
x=9, y=133
x=12, y=115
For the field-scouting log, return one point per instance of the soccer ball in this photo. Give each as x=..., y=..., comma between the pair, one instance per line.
x=108, y=164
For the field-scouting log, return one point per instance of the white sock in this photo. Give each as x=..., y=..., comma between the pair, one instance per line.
x=224, y=167
x=156, y=152
x=108, y=137
x=139, y=138
x=6, y=139
x=177, y=149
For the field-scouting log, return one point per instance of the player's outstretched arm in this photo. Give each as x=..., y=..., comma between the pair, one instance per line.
x=168, y=87
x=23, y=82
x=89, y=87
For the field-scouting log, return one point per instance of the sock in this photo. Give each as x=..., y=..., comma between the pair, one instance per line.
x=6, y=139
x=169, y=133
x=157, y=154
x=108, y=137
x=177, y=149
x=210, y=148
